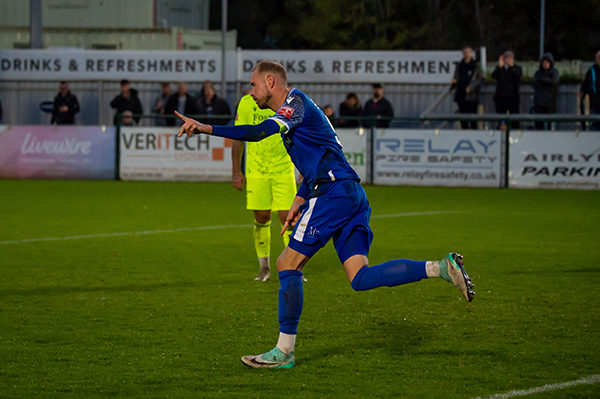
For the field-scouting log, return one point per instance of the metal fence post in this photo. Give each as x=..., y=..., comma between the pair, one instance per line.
x=118, y=146
x=506, y=155
x=372, y=157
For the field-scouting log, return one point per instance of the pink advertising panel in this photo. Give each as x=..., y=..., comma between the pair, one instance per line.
x=57, y=152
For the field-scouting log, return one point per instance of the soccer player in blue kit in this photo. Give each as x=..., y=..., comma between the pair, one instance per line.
x=330, y=204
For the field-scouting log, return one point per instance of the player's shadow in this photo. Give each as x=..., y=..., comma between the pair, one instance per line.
x=65, y=290
x=395, y=338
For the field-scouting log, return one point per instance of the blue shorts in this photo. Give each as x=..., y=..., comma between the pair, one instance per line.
x=338, y=210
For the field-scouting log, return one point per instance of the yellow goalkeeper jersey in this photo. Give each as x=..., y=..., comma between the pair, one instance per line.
x=266, y=158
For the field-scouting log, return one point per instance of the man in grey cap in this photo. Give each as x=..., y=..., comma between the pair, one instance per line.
x=508, y=76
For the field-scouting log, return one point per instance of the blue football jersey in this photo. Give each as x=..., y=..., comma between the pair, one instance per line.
x=310, y=139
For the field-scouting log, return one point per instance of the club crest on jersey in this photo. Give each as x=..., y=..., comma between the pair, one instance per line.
x=286, y=111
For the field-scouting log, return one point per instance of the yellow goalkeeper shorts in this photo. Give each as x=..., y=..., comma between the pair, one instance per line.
x=275, y=194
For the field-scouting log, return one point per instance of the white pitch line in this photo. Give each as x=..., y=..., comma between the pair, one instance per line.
x=194, y=229
x=136, y=233
x=592, y=379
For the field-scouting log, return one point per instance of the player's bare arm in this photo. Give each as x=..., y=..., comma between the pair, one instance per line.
x=237, y=177
x=293, y=214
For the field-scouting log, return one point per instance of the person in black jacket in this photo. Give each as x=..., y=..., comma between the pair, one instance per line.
x=545, y=89
x=507, y=75
x=210, y=104
x=65, y=106
x=468, y=79
x=127, y=101
x=591, y=87
x=350, y=107
x=378, y=108
x=181, y=102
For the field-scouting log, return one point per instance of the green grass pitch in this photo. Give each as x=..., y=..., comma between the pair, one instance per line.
x=169, y=314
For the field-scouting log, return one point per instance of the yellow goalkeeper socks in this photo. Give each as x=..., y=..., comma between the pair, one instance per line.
x=286, y=237
x=262, y=239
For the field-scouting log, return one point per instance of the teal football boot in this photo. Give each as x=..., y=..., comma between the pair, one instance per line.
x=452, y=269
x=274, y=359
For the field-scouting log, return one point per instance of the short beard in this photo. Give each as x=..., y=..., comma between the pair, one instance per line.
x=263, y=102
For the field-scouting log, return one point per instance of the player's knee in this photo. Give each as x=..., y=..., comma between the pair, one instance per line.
x=283, y=264
x=262, y=216
x=290, y=260
x=355, y=281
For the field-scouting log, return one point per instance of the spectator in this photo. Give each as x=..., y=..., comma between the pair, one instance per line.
x=160, y=102
x=468, y=79
x=591, y=87
x=65, y=106
x=508, y=76
x=127, y=118
x=328, y=111
x=545, y=87
x=181, y=102
x=378, y=108
x=127, y=101
x=210, y=104
x=350, y=107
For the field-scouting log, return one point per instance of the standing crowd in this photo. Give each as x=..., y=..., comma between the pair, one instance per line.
x=468, y=80
x=467, y=83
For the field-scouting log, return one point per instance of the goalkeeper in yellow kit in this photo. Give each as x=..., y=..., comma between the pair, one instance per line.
x=270, y=181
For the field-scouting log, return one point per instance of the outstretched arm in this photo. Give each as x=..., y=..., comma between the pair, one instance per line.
x=241, y=132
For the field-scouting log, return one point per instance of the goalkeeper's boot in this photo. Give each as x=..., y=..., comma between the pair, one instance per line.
x=452, y=269
x=263, y=275
x=274, y=359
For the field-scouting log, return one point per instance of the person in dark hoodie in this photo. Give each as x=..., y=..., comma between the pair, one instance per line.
x=468, y=79
x=65, y=106
x=591, y=87
x=378, y=111
x=211, y=104
x=127, y=101
x=507, y=75
x=180, y=101
x=545, y=89
x=350, y=107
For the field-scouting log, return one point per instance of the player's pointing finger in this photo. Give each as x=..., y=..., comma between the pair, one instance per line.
x=184, y=118
x=285, y=226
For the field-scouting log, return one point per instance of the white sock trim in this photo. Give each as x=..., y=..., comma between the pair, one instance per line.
x=286, y=343
x=432, y=269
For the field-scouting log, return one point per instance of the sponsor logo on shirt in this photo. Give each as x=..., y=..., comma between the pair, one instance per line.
x=286, y=111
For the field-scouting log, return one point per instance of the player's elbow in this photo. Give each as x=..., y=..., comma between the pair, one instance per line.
x=254, y=134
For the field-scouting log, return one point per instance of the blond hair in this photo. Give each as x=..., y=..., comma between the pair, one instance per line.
x=272, y=67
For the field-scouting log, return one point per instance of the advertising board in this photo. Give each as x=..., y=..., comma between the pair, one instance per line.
x=58, y=152
x=155, y=153
x=556, y=160
x=314, y=66
x=354, y=144
x=437, y=157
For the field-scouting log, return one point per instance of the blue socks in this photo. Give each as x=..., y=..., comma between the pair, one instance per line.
x=391, y=273
x=291, y=298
